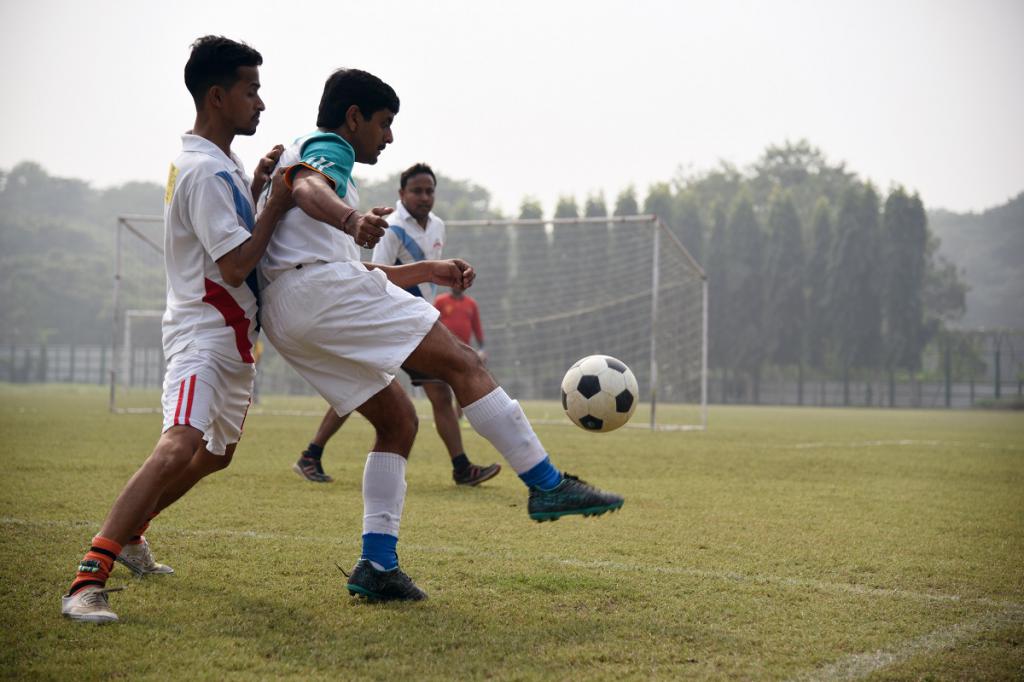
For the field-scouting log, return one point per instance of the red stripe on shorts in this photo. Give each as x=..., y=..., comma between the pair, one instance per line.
x=233, y=315
x=191, y=393
x=181, y=395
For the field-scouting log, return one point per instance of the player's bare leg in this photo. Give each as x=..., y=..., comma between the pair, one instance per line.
x=136, y=553
x=376, y=575
x=309, y=465
x=140, y=496
x=202, y=464
x=87, y=597
x=499, y=419
x=464, y=472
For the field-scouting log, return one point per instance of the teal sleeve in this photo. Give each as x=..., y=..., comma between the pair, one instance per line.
x=331, y=155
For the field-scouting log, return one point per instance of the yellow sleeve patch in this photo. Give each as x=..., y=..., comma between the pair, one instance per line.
x=172, y=179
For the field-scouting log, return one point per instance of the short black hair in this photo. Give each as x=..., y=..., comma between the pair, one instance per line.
x=414, y=170
x=215, y=61
x=346, y=87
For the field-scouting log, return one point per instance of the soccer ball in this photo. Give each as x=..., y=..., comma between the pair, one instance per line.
x=599, y=393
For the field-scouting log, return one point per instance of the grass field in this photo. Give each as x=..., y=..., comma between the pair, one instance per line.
x=779, y=544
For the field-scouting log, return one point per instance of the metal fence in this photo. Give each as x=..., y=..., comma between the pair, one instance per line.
x=958, y=375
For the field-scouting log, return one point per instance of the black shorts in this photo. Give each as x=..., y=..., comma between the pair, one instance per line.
x=419, y=378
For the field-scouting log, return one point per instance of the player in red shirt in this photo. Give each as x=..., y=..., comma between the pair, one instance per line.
x=462, y=316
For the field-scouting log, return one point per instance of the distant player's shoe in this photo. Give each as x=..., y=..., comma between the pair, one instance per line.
x=571, y=496
x=89, y=605
x=311, y=470
x=394, y=585
x=139, y=560
x=475, y=475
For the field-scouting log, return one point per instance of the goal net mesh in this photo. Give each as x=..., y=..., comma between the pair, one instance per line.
x=552, y=292
x=549, y=293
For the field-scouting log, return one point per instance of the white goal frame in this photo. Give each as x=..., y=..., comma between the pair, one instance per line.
x=120, y=333
x=663, y=239
x=663, y=242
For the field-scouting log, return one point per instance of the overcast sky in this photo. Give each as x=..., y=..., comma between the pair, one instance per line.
x=547, y=98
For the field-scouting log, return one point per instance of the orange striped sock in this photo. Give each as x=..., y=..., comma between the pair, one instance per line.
x=96, y=565
x=137, y=538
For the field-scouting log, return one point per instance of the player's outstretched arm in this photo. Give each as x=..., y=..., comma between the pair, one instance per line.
x=446, y=273
x=236, y=264
x=314, y=194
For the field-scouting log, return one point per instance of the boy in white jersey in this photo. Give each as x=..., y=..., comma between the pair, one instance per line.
x=345, y=328
x=415, y=233
x=212, y=243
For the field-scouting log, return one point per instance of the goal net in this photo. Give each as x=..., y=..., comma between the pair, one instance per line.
x=137, y=370
x=550, y=292
x=553, y=291
x=139, y=297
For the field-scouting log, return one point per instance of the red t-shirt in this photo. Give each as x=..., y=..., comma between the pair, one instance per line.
x=461, y=316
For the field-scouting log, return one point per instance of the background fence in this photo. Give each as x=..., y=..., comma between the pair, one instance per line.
x=990, y=367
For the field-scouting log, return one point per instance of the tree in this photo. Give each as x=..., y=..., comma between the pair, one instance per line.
x=530, y=209
x=818, y=283
x=625, y=203
x=785, y=305
x=745, y=283
x=945, y=291
x=906, y=236
x=595, y=206
x=567, y=208
x=720, y=341
x=855, y=284
x=659, y=202
x=803, y=170
x=689, y=227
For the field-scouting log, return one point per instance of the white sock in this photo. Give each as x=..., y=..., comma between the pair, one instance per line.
x=383, y=493
x=501, y=421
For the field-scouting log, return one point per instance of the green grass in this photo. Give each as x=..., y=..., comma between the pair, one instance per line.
x=779, y=544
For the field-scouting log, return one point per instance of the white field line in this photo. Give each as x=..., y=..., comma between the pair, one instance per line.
x=890, y=443
x=860, y=666
x=727, y=576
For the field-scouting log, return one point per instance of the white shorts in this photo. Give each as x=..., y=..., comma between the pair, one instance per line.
x=344, y=328
x=210, y=393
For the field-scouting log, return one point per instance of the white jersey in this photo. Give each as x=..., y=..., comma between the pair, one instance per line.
x=301, y=240
x=406, y=242
x=208, y=211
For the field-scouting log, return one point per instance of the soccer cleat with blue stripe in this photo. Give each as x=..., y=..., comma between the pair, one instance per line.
x=571, y=496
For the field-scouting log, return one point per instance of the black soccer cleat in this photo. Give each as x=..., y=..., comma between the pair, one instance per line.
x=571, y=496
x=475, y=475
x=394, y=585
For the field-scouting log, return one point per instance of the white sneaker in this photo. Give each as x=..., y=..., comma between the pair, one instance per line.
x=89, y=604
x=139, y=559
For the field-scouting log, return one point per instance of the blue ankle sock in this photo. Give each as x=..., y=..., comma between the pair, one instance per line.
x=381, y=550
x=313, y=451
x=544, y=475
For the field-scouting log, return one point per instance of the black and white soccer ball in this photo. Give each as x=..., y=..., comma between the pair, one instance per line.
x=599, y=393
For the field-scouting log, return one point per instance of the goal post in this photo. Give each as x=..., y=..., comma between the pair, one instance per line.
x=139, y=297
x=553, y=291
x=550, y=292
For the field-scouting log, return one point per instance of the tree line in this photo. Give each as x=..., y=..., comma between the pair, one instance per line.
x=811, y=269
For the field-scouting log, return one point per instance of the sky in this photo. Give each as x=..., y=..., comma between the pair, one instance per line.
x=546, y=98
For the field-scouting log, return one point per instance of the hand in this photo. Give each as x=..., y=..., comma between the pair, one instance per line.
x=368, y=228
x=264, y=169
x=452, y=272
x=280, y=192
